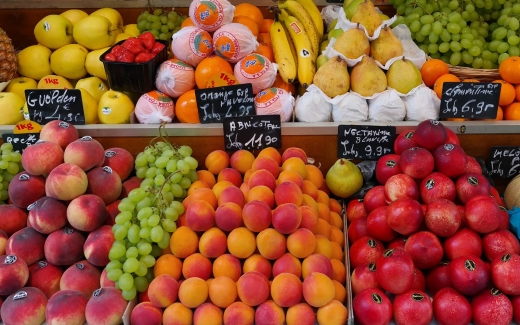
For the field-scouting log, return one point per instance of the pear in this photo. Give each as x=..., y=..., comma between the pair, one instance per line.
x=367, y=78
x=332, y=77
x=351, y=7
x=344, y=178
x=403, y=76
x=367, y=15
x=386, y=46
x=353, y=43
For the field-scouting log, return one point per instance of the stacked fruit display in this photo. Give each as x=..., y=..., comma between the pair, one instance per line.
x=255, y=238
x=445, y=232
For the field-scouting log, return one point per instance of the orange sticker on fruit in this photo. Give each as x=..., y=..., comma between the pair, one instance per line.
x=209, y=14
x=26, y=126
x=226, y=45
x=201, y=43
x=221, y=79
x=254, y=66
x=267, y=97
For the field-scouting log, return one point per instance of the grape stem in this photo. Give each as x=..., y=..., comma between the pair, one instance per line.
x=162, y=186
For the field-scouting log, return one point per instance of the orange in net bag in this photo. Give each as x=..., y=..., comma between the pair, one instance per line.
x=233, y=41
x=211, y=14
x=175, y=77
x=275, y=101
x=257, y=70
x=154, y=107
x=191, y=45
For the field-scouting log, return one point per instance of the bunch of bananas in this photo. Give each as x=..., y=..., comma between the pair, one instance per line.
x=296, y=35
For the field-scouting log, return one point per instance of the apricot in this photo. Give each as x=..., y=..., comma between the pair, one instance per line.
x=323, y=228
x=287, y=264
x=213, y=243
x=261, y=177
x=184, y=242
x=163, y=291
x=271, y=244
x=268, y=163
x=196, y=265
x=269, y=313
x=222, y=291
x=228, y=216
x=196, y=185
x=301, y=243
x=261, y=193
x=253, y=288
x=257, y=262
x=207, y=177
x=241, y=242
x=314, y=175
x=256, y=215
x=307, y=200
x=207, y=314
x=340, y=291
x=333, y=313
x=295, y=164
x=339, y=272
x=216, y=161
x=200, y=215
x=290, y=176
x=231, y=175
x=239, y=313
x=309, y=218
x=316, y=263
x=286, y=290
x=227, y=265
x=146, y=313
x=300, y=314
x=288, y=192
x=242, y=160
x=336, y=235
x=177, y=314
x=324, y=212
x=271, y=152
x=286, y=218
x=323, y=246
x=232, y=194
x=219, y=187
x=193, y=292
x=318, y=289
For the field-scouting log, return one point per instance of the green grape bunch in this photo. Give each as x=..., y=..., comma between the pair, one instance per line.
x=471, y=33
x=147, y=216
x=10, y=165
x=161, y=23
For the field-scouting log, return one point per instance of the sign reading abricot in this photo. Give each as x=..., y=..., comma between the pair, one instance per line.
x=504, y=162
x=46, y=105
x=476, y=100
x=252, y=132
x=215, y=104
x=365, y=141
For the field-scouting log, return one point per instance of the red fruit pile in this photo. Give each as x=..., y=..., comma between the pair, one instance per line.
x=434, y=226
x=135, y=49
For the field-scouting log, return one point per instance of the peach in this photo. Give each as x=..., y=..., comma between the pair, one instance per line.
x=336, y=235
x=241, y=242
x=257, y=262
x=318, y=289
x=86, y=153
x=288, y=192
x=323, y=246
x=301, y=243
x=287, y=264
x=66, y=182
x=177, y=314
x=26, y=306
x=163, y=291
x=216, y=161
x=14, y=274
x=316, y=263
x=309, y=218
x=333, y=313
x=222, y=291
x=196, y=265
x=290, y=176
x=267, y=163
x=256, y=215
x=227, y=265
x=98, y=245
x=207, y=314
x=146, y=313
x=269, y=313
x=184, y=242
x=261, y=193
x=242, y=160
x=294, y=152
x=232, y=194
x=324, y=212
x=271, y=244
x=64, y=246
x=60, y=132
x=219, y=187
x=286, y=218
x=200, y=215
x=271, y=152
x=230, y=175
x=82, y=276
x=228, y=216
x=3, y=242
x=12, y=218
x=261, y=177
x=339, y=272
x=253, y=288
x=47, y=215
x=307, y=200
x=105, y=183
x=104, y=281
x=213, y=243
x=239, y=313
x=66, y=307
x=27, y=244
x=193, y=292
x=286, y=290
x=128, y=185
x=86, y=212
x=42, y=157
x=105, y=306
x=168, y=264
x=300, y=314
x=24, y=189
x=340, y=293
x=120, y=161
x=324, y=228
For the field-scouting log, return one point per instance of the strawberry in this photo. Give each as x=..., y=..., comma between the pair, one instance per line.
x=134, y=45
x=126, y=57
x=144, y=57
x=110, y=57
x=157, y=48
x=117, y=50
x=148, y=40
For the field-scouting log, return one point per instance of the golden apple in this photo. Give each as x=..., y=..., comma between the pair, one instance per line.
x=114, y=16
x=18, y=86
x=74, y=15
x=131, y=29
x=115, y=107
x=94, y=32
x=121, y=37
x=34, y=61
x=94, y=65
x=54, y=31
x=12, y=108
x=54, y=82
x=69, y=61
x=90, y=107
x=95, y=87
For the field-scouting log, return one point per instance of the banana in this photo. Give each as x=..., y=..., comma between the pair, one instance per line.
x=302, y=43
x=315, y=14
x=283, y=53
x=291, y=44
x=295, y=9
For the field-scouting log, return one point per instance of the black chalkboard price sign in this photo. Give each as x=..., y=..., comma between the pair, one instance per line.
x=252, y=132
x=217, y=103
x=21, y=141
x=476, y=100
x=504, y=162
x=46, y=105
x=365, y=141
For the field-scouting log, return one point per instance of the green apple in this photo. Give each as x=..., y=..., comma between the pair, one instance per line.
x=335, y=33
x=18, y=86
x=94, y=65
x=131, y=29
x=74, y=15
x=320, y=60
x=95, y=86
x=90, y=107
x=34, y=61
x=114, y=16
x=94, y=32
x=69, y=61
x=115, y=107
x=12, y=108
x=54, y=31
